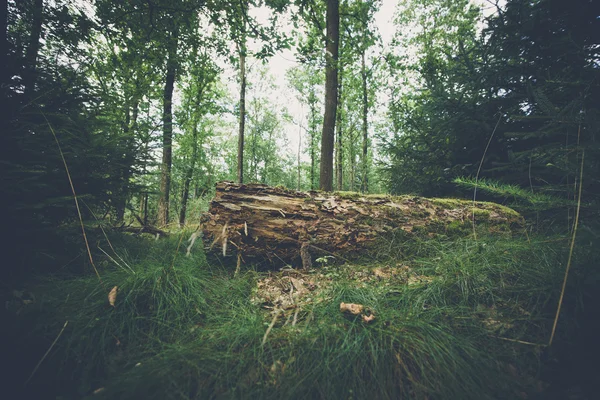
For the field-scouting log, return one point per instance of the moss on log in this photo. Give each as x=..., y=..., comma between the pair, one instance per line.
x=272, y=223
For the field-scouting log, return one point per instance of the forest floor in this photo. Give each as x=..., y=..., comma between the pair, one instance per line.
x=441, y=319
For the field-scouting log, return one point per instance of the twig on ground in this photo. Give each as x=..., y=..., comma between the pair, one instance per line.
x=271, y=326
x=177, y=250
x=479, y=170
x=239, y=264
x=520, y=341
x=564, y=285
x=62, y=156
x=47, y=352
x=106, y=237
x=115, y=261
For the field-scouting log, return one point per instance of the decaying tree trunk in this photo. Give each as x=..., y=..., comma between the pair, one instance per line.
x=279, y=225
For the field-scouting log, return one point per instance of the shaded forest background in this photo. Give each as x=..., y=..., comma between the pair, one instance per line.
x=135, y=98
x=134, y=94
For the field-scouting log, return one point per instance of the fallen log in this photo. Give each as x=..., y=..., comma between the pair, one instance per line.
x=143, y=229
x=282, y=226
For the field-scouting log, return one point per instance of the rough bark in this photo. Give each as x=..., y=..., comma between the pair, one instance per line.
x=187, y=180
x=242, y=122
x=331, y=82
x=189, y=175
x=121, y=199
x=4, y=41
x=253, y=170
x=128, y=133
x=144, y=208
x=313, y=142
x=33, y=48
x=299, y=152
x=339, y=165
x=365, y=127
x=350, y=134
x=273, y=224
x=165, y=181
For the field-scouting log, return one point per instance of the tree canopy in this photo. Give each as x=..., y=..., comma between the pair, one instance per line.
x=132, y=90
x=124, y=118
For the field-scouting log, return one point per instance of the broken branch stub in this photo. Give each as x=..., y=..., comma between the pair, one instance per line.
x=273, y=223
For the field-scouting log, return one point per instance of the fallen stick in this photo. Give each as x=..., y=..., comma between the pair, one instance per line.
x=271, y=326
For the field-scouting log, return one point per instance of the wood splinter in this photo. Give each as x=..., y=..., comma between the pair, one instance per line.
x=239, y=264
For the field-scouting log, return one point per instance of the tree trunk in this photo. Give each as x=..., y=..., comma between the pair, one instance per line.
x=253, y=173
x=144, y=194
x=189, y=175
x=129, y=132
x=299, y=150
x=145, y=209
x=331, y=82
x=272, y=224
x=5, y=77
x=240, y=155
x=165, y=182
x=351, y=135
x=365, y=161
x=266, y=176
x=121, y=197
x=143, y=204
x=33, y=48
x=134, y=114
x=339, y=150
x=313, y=150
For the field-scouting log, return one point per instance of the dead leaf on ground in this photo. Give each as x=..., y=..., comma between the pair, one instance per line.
x=112, y=296
x=351, y=308
x=494, y=319
x=286, y=290
x=277, y=366
x=299, y=286
x=382, y=273
x=419, y=280
x=366, y=319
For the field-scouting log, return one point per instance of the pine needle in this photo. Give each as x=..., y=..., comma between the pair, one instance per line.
x=47, y=352
x=520, y=341
x=564, y=285
x=177, y=249
x=107, y=240
x=479, y=170
x=115, y=261
x=62, y=156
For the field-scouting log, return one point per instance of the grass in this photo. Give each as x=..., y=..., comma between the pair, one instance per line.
x=193, y=331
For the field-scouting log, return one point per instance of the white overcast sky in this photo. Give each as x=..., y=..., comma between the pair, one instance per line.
x=284, y=96
x=284, y=60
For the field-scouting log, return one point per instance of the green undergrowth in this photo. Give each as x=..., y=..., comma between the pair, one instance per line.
x=519, y=197
x=184, y=328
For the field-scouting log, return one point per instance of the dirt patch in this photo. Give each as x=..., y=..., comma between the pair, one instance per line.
x=287, y=289
x=290, y=288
